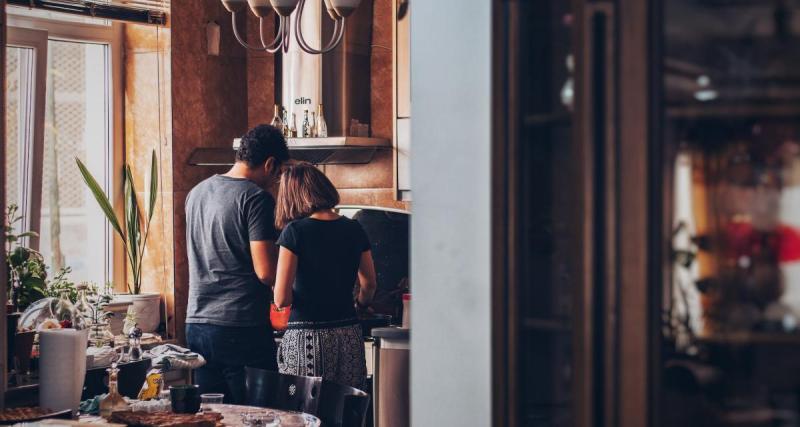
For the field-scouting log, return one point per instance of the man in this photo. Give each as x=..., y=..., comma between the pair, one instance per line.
x=230, y=235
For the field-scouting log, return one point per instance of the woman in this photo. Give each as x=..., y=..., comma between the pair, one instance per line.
x=322, y=254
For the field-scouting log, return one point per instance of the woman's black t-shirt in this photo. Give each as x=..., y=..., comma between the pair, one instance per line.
x=328, y=257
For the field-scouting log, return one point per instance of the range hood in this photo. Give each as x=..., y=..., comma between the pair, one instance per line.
x=343, y=150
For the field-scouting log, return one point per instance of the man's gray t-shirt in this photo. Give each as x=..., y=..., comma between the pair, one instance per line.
x=223, y=215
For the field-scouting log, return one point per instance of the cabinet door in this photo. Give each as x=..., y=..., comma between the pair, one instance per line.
x=540, y=185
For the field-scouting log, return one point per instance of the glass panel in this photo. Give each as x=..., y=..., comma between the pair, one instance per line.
x=19, y=128
x=76, y=126
x=732, y=142
x=546, y=283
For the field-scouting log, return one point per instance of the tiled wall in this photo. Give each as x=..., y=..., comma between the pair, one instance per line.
x=148, y=127
x=373, y=183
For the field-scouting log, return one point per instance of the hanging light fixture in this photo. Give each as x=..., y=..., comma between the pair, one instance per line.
x=338, y=10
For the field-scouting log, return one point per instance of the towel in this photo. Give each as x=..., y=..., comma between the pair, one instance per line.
x=171, y=357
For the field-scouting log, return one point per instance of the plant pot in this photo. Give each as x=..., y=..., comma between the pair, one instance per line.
x=119, y=307
x=148, y=311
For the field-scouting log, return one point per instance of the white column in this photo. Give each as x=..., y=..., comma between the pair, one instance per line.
x=450, y=237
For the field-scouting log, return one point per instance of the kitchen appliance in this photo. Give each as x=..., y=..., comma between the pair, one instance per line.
x=388, y=232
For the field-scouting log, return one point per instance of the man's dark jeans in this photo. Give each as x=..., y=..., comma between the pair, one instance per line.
x=228, y=350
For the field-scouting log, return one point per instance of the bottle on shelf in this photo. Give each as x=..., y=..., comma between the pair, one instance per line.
x=277, y=121
x=285, y=121
x=313, y=125
x=293, y=129
x=306, y=125
x=113, y=401
x=322, y=127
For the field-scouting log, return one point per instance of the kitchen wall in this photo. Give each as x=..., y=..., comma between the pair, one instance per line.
x=148, y=127
x=209, y=109
x=373, y=183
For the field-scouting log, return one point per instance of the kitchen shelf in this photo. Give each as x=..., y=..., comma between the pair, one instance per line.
x=344, y=150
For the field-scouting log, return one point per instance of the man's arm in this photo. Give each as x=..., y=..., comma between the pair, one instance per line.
x=265, y=260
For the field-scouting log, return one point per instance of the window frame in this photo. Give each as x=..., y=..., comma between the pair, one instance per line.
x=31, y=152
x=101, y=33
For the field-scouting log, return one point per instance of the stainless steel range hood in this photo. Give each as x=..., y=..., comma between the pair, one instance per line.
x=321, y=151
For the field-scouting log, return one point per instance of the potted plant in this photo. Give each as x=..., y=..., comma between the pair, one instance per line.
x=26, y=268
x=133, y=235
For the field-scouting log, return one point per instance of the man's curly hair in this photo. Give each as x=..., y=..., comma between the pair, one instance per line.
x=261, y=143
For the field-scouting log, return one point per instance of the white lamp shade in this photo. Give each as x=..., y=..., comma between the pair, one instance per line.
x=345, y=7
x=284, y=7
x=234, y=5
x=260, y=8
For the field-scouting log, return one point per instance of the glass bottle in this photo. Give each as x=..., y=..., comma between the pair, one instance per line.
x=113, y=402
x=293, y=130
x=65, y=311
x=285, y=122
x=306, y=126
x=322, y=127
x=277, y=122
x=313, y=125
x=82, y=306
x=135, y=343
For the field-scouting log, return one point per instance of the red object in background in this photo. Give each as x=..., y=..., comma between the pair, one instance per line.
x=279, y=318
x=65, y=324
x=789, y=244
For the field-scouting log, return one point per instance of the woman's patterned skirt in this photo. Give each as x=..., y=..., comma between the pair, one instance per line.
x=335, y=354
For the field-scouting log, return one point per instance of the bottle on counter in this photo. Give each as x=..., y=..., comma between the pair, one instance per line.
x=306, y=125
x=114, y=401
x=82, y=306
x=313, y=125
x=277, y=121
x=322, y=127
x=293, y=129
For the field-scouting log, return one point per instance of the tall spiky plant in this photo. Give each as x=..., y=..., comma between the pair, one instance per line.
x=137, y=226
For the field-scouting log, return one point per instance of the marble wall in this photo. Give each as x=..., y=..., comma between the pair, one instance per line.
x=148, y=128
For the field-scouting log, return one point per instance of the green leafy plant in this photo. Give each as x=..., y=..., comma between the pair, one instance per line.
x=61, y=283
x=26, y=268
x=137, y=226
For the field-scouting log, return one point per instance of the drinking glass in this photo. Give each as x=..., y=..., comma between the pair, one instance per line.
x=207, y=399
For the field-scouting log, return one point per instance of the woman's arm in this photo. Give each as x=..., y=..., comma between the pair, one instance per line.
x=366, y=279
x=265, y=260
x=287, y=269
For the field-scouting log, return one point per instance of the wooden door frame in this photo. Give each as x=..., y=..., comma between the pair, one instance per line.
x=629, y=286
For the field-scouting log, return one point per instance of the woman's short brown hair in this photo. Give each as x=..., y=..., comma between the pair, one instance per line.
x=304, y=190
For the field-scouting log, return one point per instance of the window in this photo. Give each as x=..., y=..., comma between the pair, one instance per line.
x=60, y=107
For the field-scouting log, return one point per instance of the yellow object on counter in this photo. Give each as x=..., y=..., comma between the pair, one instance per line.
x=152, y=385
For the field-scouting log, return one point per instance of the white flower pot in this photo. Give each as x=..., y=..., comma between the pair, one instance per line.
x=148, y=311
x=147, y=307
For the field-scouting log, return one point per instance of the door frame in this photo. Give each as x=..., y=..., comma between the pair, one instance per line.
x=624, y=327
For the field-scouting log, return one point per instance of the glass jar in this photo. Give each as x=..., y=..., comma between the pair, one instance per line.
x=82, y=306
x=65, y=312
x=100, y=334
